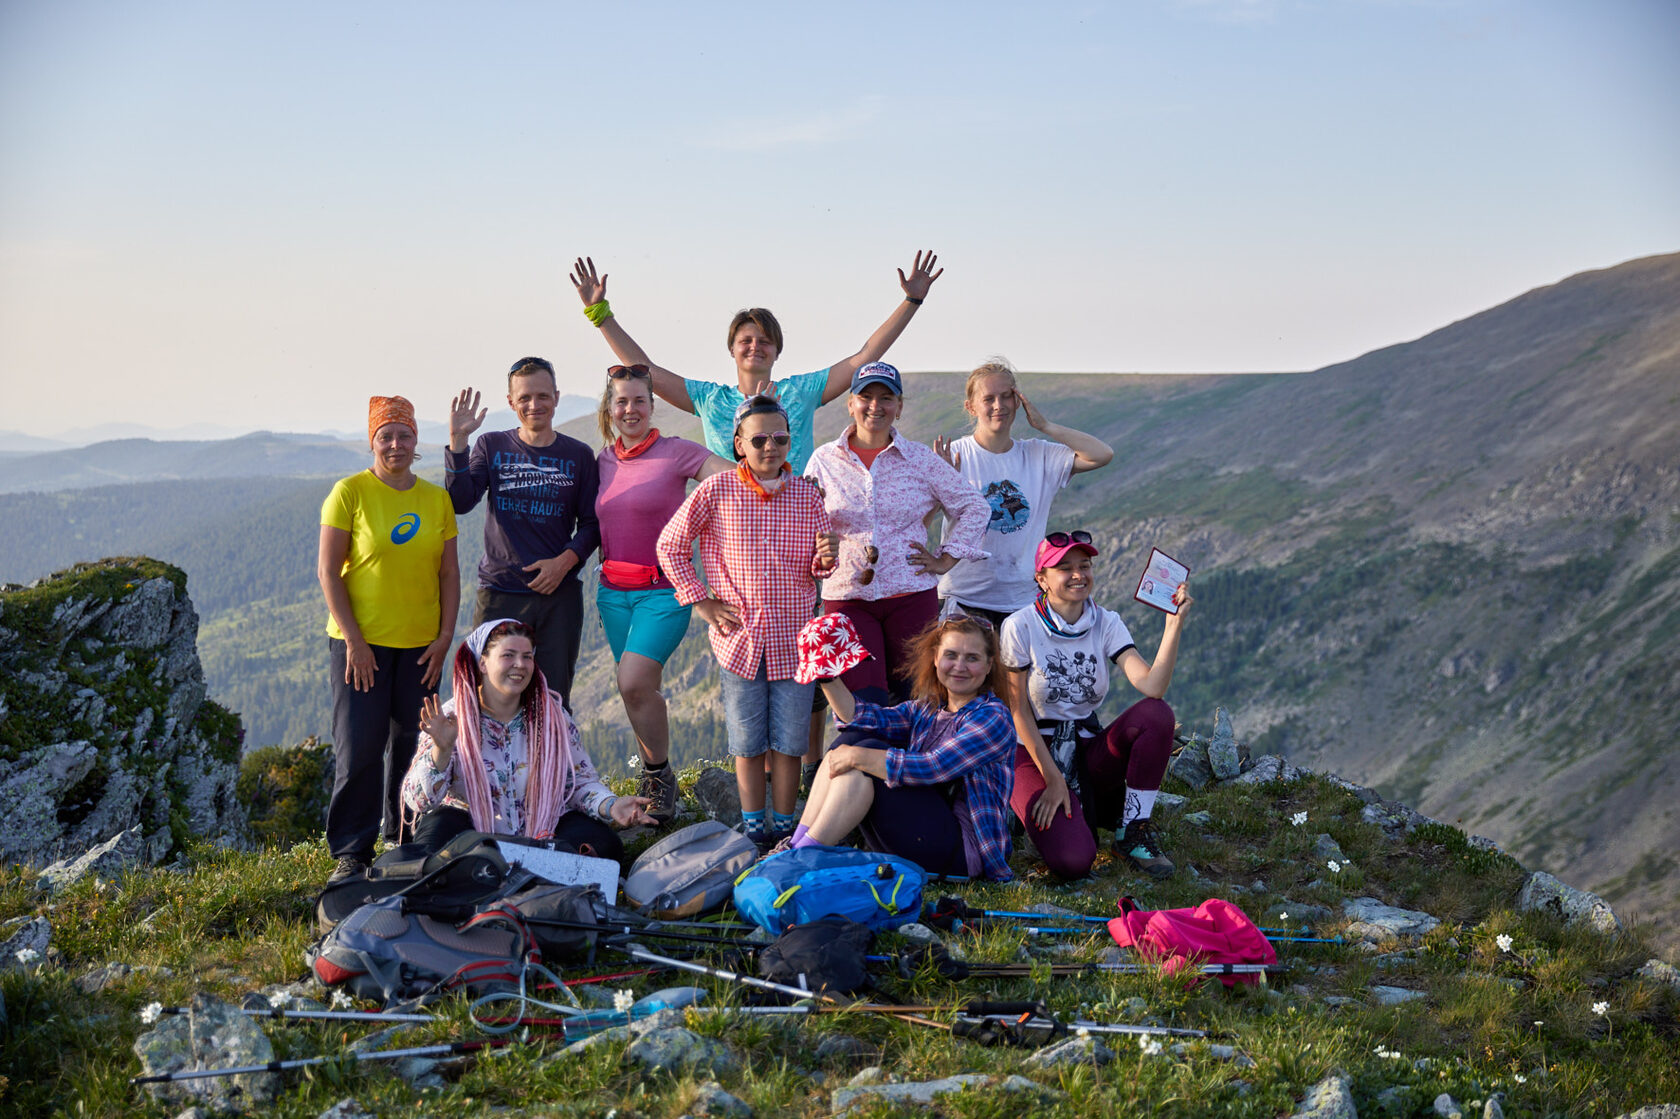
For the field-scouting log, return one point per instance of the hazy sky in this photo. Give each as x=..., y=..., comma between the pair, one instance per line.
x=257, y=214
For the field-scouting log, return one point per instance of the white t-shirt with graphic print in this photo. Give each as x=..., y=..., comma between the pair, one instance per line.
x=1019, y=485
x=1069, y=675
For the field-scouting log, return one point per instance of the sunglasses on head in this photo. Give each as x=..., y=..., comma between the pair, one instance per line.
x=619, y=372
x=780, y=438
x=983, y=623
x=528, y=362
x=1063, y=539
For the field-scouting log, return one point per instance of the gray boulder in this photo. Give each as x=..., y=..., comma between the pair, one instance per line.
x=1330, y=1098
x=1190, y=764
x=1393, y=818
x=1073, y=1051
x=1266, y=769
x=1658, y=972
x=1394, y=996
x=924, y=1092
x=212, y=1034
x=1326, y=848
x=1223, y=759
x=1374, y=921
x=1447, y=1107
x=346, y=1108
x=117, y=854
x=1576, y=907
x=31, y=938
x=676, y=1049
x=713, y=1100
x=1653, y=1111
x=717, y=796
x=844, y=1049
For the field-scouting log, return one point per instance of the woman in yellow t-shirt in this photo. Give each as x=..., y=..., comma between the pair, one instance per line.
x=388, y=568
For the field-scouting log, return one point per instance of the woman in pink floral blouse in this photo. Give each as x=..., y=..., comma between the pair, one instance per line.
x=501, y=756
x=879, y=488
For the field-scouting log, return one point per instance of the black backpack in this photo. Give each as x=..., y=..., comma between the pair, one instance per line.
x=826, y=955
x=450, y=883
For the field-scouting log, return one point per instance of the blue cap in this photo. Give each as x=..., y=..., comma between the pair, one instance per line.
x=877, y=373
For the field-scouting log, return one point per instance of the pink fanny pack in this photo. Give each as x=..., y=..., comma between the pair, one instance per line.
x=629, y=576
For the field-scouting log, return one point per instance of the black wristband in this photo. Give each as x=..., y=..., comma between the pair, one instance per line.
x=912, y=299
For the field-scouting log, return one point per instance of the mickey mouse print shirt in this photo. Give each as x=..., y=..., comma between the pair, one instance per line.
x=1068, y=675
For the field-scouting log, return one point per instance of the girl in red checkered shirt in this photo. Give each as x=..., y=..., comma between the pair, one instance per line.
x=765, y=540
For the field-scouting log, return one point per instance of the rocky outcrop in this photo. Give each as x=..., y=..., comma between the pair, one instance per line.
x=104, y=727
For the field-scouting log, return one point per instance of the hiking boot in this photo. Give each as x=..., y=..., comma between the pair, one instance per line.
x=660, y=787
x=349, y=866
x=1141, y=849
x=771, y=841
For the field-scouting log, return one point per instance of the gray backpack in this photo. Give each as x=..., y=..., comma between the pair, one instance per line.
x=690, y=871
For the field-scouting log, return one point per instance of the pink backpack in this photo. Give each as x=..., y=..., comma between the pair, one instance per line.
x=1215, y=932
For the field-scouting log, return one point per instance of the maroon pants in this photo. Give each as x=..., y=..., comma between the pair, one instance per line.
x=1131, y=753
x=886, y=627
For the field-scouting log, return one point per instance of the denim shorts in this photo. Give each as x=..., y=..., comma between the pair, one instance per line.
x=648, y=622
x=765, y=714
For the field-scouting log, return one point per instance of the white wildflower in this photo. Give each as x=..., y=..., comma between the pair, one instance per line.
x=1149, y=1045
x=1601, y=1008
x=1539, y=1022
x=1519, y=1078
x=279, y=999
x=149, y=1013
x=1335, y=867
x=27, y=955
x=1298, y=819
x=1283, y=916
x=342, y=1001
x=623, y=1001
x=1387, y=1054
x=1082, y=1031
x=1504, y=942
x=634, y=761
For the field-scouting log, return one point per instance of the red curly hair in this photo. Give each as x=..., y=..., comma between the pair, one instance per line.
x=920, y=667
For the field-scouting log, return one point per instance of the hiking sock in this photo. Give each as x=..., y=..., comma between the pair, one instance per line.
x=660, y=768
x=781, y=824
x=799, y=833
x=1140, y=803
x=753, y=822
x=804, y=838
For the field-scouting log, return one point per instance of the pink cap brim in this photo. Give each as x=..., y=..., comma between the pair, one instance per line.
x=1049, y=555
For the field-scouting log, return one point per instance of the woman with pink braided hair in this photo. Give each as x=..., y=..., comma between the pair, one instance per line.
x=501, y=756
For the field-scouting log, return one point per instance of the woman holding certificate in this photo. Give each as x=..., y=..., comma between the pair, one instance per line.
x=1072, y=775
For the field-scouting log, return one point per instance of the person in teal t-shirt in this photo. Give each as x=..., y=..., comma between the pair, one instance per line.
x=755, y=342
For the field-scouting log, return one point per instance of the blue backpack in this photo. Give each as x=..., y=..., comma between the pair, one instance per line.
x=877, y=890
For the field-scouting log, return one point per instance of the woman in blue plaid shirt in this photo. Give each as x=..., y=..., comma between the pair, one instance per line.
x=931, y=781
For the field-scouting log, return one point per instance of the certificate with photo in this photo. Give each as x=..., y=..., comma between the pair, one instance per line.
x=1160, y=581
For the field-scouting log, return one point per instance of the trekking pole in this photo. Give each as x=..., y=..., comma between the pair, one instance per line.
x=281, y=1014
x=446, y=1049
x=636, y=951
x=951, y=967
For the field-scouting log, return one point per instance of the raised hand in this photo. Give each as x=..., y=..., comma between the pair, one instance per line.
x=590, y=287
x=1182, y=597
x=767, y=388
x=465, y=415
x=440, y=728
x=942, y=448
x=1034, y=416
x=921, y=276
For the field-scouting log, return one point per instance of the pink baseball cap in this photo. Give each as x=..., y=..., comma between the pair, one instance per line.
x=1055, y=545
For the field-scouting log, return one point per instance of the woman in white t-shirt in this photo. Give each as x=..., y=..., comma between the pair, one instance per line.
x=1072, y=775
x=1018, y=478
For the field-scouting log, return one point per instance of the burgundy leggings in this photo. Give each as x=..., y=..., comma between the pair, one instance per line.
x=886, y=627
x=1132, y=753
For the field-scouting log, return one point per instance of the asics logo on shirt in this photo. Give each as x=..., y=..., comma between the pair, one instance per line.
x=403, y=531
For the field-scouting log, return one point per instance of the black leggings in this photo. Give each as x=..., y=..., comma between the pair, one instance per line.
x=915, y=822
x=585, y=834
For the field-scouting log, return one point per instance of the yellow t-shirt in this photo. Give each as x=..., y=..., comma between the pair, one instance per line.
x=396, y=546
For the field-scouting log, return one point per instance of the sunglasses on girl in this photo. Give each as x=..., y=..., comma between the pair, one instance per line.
x=1063, y=539
x=780, y=438
x=619, y=372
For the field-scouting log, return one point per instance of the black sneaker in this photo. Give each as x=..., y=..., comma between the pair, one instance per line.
x=1142, y=850
x=660, y=787
x=767, y=842
x=349, y=866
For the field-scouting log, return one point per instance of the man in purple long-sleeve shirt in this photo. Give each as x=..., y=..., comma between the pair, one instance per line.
x=539, y=525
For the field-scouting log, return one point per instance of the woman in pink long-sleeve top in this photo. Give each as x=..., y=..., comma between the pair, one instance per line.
x=879, y=488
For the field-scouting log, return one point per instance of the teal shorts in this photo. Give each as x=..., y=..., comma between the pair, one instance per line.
x=648, y=622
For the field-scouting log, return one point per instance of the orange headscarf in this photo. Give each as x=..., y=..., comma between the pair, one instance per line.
x=384, y=410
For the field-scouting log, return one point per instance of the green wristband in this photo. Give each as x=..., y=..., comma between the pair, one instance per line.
x=598, y=313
